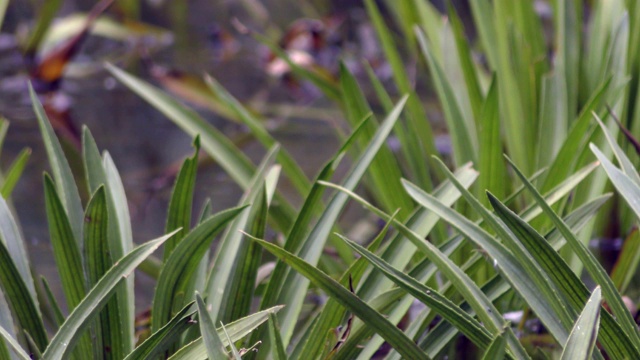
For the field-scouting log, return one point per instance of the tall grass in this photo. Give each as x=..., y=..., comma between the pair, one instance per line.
x=483, y=268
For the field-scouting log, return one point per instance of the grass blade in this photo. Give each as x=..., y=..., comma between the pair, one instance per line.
x=179, y=212
x=20, y=300
x=592, y=265
x=583, y=337
x=277, y=348
x=226, y=280
x=390, y=332
x=289, y=165
x=237, y=330
x=169, y=295
x=80, y=318
x=14, y=173
x=571, y=286
x=210, y=337
x=160, y=340
x=312, y=246
x=472, y=329
x=65, y=183
x=13, y=343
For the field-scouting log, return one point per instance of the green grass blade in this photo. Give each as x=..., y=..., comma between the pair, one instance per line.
x=3, y=9
x=627, y=263
x=462, y=143
x=56, y=312
x=22, y=303
x=14, y=173
x=213, y=142
x=235, y=163
x=237, y=330
x=390, y=332
x=81, y=316
x=12, y=239
x=598, y=274
x=13, y=343
x=65, y=183
x=210, y=337
x=400, y=251
x=169, y=295
x=519, y=276
x=66, y=250
x=160, y=340
x=418, y=124
x=101, y=171
x=490, y=162
x=583, y=337
x=469, y=326
x=234, y=254
x=571, y=286
x=625, y=164
x=300, y=228
x=576, y=139
x=314, y=243
x=181, y=203
x=289, y=165
x=333, y=313
x=67, y=255
x=486, y=311
x=278, y=351
x=496, y=350
x=384, y=171
x=109, y=327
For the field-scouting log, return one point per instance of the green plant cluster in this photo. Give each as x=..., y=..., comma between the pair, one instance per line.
x=516, y=243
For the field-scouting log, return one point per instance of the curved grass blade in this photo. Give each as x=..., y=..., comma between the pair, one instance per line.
x=210, y=338
x=65, y=183
x=20, y=300
x=289, y=165
x=496, y=350
x=333, y=313
x=101, y=171
x=170, y=294
x=583, y=337
x=237, y=330
x=384, y=171
x=300, y=228
x=80, y=317
x=13, y=343
x=598, y=274
x=160, y=340
x=418, y=124
x=469, y=326
x=12, y=239
x=575, y=291
x=66, y=253
x=227, y=280
x=235, y=163
x=14, y=173
x=627, y=263
x=311, y=247
x=512, y=268
x=213, y=142
x=390, y=332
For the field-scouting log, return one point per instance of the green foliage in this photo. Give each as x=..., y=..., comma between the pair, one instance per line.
x=438, y=270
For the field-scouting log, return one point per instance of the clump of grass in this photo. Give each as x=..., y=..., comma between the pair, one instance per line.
x=513, y=249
